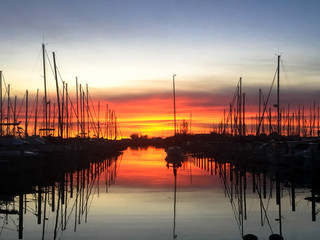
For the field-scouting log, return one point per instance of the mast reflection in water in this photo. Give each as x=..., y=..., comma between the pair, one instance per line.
x=55, y=199
x=133, y=196
x=174, y=160
x=280, y=201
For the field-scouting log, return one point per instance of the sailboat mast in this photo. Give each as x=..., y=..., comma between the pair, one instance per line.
x=98, y=120
x=80, y=105
x=8, y=111
x=36, y=114
x=107, y=120
x=1, y=113
x=77, y=93
x=14, y=115
x=67, y=111
x=259, y=109
x=83, y=115
x=49, y=113
x=115, y=126
x=87, y=102
x=62, y=108
x=174, y=105
x=231, y=123
x=243, y=114
x=288, y=119
x=190, y=123
x=58, y=99
x=278, y=95
x=26, y=123
x=240, y=106
x=45, y=87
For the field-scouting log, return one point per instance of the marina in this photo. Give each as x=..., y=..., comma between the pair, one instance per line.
x=129, y=120
x=245, y=184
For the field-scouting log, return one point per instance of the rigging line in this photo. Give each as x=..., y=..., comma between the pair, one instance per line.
x=285, y=74
x=88, y=195
x=66, y=203
x=32, y=109
x=90, y=204
x=59, y=75
x=233, y=206
x=71, y=211
x=264, y=209
x=93, y=107
x=5, y=93
x=46, y=53
x=74, y=111
x=231, y=199
x=10, y=105
x=7, y=228
x=17, y=116
x=265, y=106
x=119, y=129
x=6, y=89
x=67, y=96
x=232, y=103
x=30, y=210
x=77, y=195
x=227, y=188
x=264, y=101
x=92, y=123
x=269, y=199
x=120, y=160
x=3, y=227
x=52, y=70
x=14, y=222
x=90, y=188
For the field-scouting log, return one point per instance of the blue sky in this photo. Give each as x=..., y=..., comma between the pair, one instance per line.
x=135, y=46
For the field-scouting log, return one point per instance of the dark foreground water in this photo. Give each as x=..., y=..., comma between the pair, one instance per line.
x=132, y=196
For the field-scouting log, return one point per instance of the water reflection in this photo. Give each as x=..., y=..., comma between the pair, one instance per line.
x=174, y=160
x=51, y=197
x=274, y=196
x=141, y=195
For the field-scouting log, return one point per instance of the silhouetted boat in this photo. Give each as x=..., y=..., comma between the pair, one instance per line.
x=174, y=153
x=11, y=147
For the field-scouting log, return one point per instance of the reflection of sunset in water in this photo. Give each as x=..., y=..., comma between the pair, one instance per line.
x=135, y=200
x=147, y=168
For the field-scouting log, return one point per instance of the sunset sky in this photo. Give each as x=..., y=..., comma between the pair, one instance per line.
x=127, y=52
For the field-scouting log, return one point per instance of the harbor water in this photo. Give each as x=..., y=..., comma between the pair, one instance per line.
x=138, y=195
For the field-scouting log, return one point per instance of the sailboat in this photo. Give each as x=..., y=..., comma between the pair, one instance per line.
x=174, y=153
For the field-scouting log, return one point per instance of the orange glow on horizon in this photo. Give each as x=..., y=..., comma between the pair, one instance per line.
x=150, y=115
x=154, y=117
